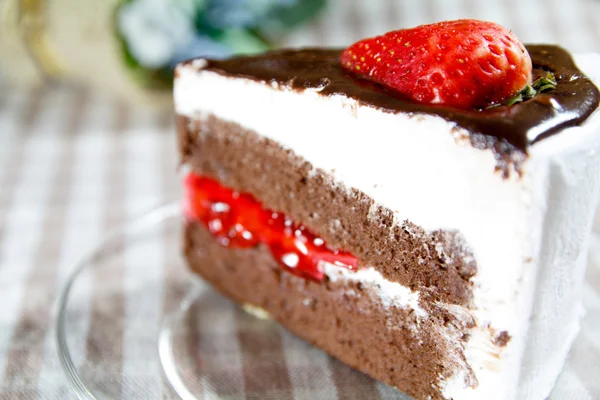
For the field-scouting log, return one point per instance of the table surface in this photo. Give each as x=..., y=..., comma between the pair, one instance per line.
x=75, y=163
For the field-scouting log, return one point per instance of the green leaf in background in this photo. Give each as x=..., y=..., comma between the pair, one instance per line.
x=249, y=31
x=285, y=18
x=150, y=79
x=242, y=41
x=202, y=25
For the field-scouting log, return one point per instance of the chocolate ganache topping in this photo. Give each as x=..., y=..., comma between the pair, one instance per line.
x=503, y=128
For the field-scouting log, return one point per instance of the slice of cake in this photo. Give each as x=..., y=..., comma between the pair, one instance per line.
x=417, y=206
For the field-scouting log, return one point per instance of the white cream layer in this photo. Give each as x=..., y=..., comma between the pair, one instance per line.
x=425, y=170
x=392, y=294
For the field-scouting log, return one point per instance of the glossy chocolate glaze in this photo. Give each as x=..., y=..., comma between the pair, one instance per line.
x=505, y=128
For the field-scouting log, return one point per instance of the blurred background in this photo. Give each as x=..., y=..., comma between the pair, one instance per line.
x=86, y=127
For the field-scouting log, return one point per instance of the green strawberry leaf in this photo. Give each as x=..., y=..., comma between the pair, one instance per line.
x=541, y=85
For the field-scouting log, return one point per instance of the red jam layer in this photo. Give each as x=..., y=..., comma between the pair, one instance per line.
x=239, y=220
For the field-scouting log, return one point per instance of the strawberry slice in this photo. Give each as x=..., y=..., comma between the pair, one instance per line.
x=466, y=64
x=237, y=219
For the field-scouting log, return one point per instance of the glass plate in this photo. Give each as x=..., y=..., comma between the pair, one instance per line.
x=133, y=324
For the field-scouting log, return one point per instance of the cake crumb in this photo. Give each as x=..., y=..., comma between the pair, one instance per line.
x=502, y=339
x=256, y=312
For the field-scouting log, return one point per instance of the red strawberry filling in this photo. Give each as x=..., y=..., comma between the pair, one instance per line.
x=239, y=220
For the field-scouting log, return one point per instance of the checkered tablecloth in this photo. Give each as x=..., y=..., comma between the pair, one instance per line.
x=75, y=163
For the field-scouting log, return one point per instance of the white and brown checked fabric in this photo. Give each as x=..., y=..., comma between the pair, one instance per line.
x=74, y=163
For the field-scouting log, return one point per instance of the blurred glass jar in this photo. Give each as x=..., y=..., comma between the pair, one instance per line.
x=129, y=47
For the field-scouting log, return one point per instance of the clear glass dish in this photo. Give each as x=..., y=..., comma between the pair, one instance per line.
x=134, y=324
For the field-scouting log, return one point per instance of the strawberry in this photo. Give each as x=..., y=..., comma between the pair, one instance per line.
x=466, y=64
x=238, y=220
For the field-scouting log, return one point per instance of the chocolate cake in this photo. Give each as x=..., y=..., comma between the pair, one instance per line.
x=439, y=250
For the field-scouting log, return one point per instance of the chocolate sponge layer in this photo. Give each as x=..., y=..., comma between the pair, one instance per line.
x=344, y=318
x=437, y=264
